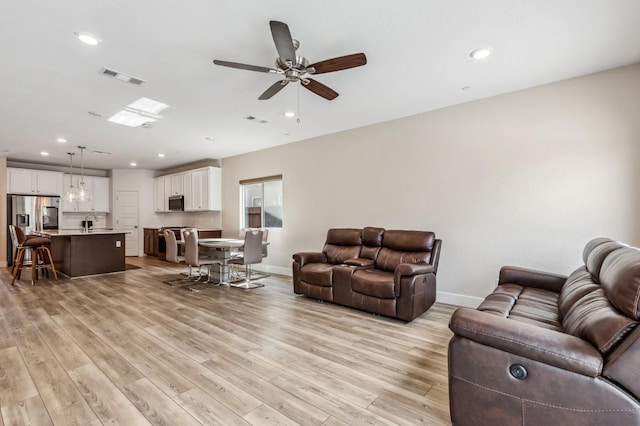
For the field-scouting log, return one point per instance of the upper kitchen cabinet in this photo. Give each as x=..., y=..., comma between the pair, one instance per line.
x=100, y=195
x=206, y=185
x=201, y=189
x=161, y=193
x=177, y=183
x=33, y=182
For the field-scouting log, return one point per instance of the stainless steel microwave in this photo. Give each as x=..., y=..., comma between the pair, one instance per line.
x=176, y=203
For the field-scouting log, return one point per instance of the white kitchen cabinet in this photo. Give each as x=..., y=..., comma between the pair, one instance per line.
x=206, y=189
x=161, y=193
x=33, y=182
x=201, y=189
x=100, y=195
x=177, y=183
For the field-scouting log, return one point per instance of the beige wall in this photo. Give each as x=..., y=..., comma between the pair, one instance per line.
x=523, y=179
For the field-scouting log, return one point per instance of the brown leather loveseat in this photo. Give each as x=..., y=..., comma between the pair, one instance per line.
x=391, y=273
x=545, y=349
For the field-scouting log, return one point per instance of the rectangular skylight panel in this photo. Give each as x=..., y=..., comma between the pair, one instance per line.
x=148, y=105
x=130, y=119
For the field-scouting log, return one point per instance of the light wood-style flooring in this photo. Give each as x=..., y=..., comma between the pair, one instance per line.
x=128, y=349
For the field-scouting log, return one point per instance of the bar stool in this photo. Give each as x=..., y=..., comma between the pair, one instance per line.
x=40, y=254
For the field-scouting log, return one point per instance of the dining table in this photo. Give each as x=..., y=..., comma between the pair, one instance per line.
x=222, y=249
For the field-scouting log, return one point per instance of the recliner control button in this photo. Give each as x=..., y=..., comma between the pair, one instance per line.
x=518, y=371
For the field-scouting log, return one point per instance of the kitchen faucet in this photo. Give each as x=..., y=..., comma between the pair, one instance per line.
x=86, y=221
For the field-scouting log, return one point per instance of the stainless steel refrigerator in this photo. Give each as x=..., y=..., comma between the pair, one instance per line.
x=32, y=214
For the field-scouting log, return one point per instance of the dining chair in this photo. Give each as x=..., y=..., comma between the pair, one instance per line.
x=173, y=256
x=251, y=254
x=265, y=249
x=193, y=258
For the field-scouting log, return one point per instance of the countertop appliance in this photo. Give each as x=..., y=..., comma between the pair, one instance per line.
x=176, y=203
x=32, y=214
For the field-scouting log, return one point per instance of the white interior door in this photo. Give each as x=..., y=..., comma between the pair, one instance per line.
x=127, y=220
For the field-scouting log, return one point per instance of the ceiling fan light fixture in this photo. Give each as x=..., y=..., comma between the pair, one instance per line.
x=482, y=53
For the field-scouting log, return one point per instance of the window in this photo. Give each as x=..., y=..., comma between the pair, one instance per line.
x=261, y=202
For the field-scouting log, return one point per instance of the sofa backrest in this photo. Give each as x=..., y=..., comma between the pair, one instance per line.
x=342, y=244
x=600, y=302
x=404, y=247
x=371, y=242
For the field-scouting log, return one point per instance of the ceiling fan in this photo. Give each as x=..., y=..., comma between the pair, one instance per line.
x=297, y=68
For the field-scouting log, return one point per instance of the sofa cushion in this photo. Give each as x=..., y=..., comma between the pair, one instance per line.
x=524, y=304
x=342, y=244
x=420, y=241
x=597, y=255
x=371, y=242
x=373, y=282
x=579, y=283
x=404, y=247
x=620, y=279
x=596, y=320
x=317, y=274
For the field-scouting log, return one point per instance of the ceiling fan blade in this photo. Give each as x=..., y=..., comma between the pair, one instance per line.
x=275, y=88
x=244, y=66
x=319, y=89
x=340, y=63
x=282, y=39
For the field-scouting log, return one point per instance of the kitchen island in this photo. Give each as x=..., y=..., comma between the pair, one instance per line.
x=78, y=253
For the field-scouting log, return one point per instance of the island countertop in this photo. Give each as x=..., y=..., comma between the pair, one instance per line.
x=76, y=232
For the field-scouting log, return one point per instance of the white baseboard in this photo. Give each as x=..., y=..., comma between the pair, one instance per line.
x=259, y=267
x=458, y=299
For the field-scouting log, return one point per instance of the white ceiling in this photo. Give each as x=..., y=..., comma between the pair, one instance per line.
x=417, y=51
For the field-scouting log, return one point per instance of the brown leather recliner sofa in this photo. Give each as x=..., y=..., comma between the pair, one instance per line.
x=545, y=349
x=391, y=273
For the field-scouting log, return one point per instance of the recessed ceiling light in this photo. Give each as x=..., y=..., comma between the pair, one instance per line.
x=161, y=155
x=481, y=53
x=289, y=114
x=61, y=140
x=45, y=153
x=87, y=38
x=133, y=164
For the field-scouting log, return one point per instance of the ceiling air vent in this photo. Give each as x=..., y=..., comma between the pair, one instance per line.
x=122, y=77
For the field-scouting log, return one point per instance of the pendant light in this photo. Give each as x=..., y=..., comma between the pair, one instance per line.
x=83, y=192
x=71, y=194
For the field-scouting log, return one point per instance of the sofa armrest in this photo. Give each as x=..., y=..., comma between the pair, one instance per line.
x=309, y=257
x=409, y=269
x=531, y=278
x=527, y=340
